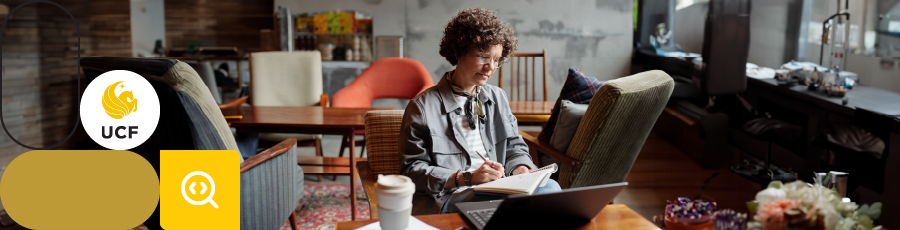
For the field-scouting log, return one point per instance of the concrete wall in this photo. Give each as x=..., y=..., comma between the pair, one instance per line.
x=592, y=35
x=147, y=25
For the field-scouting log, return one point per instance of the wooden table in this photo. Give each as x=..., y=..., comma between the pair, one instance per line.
x=614, y=216
x=531, y=112
x=309, y=120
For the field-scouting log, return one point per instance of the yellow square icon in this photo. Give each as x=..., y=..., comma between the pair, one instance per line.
x=199, y=189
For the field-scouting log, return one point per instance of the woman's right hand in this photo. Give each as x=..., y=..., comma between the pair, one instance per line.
x=489, y=171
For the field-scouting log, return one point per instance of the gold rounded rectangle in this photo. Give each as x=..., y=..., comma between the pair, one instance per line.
x=101, y=189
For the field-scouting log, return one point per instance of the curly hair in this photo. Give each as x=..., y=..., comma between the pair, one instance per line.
x=476, y=28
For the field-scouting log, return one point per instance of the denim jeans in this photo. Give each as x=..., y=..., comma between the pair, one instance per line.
x=247, y=143
x=469, y=196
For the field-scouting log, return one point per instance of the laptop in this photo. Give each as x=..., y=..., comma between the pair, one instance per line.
x=566, y=209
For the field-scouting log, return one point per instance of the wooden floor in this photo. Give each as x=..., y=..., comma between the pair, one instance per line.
x=662, y=172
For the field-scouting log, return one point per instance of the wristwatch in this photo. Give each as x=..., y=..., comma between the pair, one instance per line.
x=467, y=177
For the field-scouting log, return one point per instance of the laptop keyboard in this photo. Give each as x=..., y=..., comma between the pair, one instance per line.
x=482, y=216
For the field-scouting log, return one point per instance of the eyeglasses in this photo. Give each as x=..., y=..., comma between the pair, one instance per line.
x=486, y=58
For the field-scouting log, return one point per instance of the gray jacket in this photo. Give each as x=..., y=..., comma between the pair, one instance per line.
x=431, y=149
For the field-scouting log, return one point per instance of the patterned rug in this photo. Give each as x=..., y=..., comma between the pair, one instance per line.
x=323, y=205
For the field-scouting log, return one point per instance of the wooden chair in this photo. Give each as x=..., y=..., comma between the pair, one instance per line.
x=612, y=131
x=286, y=79
x=382, y=135
x=519, y=83
x=516, y=89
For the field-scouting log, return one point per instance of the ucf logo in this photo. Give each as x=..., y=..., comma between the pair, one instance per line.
x=118, y=106
x=119, y=92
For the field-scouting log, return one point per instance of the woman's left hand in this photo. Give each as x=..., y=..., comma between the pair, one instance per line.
x=521, y=169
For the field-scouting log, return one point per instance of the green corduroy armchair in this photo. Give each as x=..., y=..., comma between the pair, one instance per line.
x=612, y=131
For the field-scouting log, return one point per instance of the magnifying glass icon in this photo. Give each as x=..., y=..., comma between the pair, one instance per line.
x=211, y=193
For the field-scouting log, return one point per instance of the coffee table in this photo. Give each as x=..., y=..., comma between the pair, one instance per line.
x=309, y=120
x=614, y=216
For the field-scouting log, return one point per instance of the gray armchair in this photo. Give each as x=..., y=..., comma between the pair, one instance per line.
x=612, y=131
x=271, y=181
x=271, y=187
x=205, y=70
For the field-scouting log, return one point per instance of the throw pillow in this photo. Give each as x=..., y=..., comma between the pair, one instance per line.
x=578, y=89
x=569, y=117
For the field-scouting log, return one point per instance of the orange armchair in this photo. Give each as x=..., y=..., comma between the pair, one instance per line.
x=400, y=78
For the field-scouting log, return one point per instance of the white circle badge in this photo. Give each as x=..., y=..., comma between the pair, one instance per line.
x=119, y=110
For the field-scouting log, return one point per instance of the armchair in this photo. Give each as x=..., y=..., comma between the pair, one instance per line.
x=612, y=131
x=186, y=102
x=400, y=78
x=271, y=187
x=209, y=79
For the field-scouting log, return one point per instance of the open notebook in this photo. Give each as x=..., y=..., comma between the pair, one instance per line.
x=519, y=184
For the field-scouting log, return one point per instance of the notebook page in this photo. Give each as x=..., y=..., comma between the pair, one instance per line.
x=552, y=167
x=516, y=184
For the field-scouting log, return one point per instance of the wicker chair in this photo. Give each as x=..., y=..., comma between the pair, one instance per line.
x=612, y=131
x=382, y=133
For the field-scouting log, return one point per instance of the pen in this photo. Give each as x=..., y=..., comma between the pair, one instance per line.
x=485, y=159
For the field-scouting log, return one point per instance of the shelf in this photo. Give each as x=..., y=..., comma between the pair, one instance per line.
x=353, y=34
x=345, y=64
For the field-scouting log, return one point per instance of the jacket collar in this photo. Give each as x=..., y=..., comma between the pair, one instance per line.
x=448, y=98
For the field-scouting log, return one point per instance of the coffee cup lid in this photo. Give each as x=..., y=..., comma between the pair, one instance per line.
x=393, y=181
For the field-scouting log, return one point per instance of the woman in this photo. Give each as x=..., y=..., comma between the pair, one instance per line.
x=461, y=132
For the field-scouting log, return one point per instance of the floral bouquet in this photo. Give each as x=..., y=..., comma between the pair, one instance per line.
x=798, y=205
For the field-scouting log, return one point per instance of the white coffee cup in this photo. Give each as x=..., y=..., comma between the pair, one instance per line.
x=394, y=201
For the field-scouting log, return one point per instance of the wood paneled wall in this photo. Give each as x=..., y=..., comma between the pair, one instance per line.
x=110, y=25
x=234, y=23
x=21, y=74
x=40, y=67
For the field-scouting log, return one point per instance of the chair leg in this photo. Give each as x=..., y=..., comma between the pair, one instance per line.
x=343, y=145
x=319, y=147
x=319, y=153
x=363, y=148
x=293, y=220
